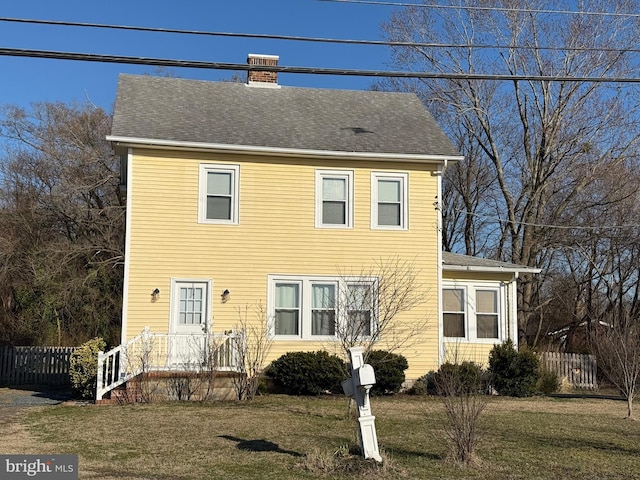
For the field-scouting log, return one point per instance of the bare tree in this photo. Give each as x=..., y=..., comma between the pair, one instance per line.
x=63, y=226
x=546, y=143
x=461, y=387
x=370, y=303
x=252, y=344
x=617, y=347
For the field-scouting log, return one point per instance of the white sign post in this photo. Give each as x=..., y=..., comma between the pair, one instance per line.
x=358, y=386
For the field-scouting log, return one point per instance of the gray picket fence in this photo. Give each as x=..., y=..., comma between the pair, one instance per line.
x=579, y=370
x=35, y=365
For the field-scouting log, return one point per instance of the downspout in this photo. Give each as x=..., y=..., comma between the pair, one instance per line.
x=513, y=309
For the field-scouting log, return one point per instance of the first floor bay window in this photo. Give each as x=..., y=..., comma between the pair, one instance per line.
x=309, y=307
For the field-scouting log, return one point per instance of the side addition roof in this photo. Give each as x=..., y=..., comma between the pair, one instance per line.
x=285, y=120
x=466, y=263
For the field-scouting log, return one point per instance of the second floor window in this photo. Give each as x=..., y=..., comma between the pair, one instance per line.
x=389, y=201
x=218, y=194
x=334, y=199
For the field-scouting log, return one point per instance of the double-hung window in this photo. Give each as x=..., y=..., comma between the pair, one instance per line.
x=323, y=309
x=487, y=318
x=218, y=194
x=334, y=199
x=287, y=308
x=389, y=197
x=453, y=312
x=360, y=304
x=472, y=311
x=310, y=307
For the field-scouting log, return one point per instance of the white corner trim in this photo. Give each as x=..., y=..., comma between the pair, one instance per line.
x=127, y=250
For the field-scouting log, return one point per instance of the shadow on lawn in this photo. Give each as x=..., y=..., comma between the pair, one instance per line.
x=259, y=446
x=581, y=443
x=401, y=452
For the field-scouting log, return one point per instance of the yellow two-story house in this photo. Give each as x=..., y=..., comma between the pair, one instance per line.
x=296, y=200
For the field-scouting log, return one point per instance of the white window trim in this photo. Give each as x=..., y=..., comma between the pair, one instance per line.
x=306, y=282
x=235, y=194
x=469, y=288
x=342, y=174
x=404, y=211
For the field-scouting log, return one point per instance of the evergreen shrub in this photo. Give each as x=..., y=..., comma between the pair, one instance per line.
x=308, y=373
x=548, y=382
x=514, y=373
x=83, y=369
x=425, y=385
x=389, y=370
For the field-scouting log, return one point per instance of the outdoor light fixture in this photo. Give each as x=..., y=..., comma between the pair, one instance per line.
x=155, y=293
x=225, y=295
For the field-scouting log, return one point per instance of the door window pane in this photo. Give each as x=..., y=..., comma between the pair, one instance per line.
x=190, y=307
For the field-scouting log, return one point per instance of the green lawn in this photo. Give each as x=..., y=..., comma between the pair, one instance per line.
x=283, y=437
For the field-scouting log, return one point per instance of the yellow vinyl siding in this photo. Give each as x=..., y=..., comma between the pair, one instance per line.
x=276, y=234
x=470, y=352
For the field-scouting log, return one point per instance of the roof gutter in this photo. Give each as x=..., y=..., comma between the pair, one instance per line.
x=469, y=268
x=127, y=142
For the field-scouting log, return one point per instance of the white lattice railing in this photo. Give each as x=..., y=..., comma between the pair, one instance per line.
x=153, y=352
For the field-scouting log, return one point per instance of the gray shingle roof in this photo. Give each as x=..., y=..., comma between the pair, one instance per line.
x=454, y=261
x=227, y=113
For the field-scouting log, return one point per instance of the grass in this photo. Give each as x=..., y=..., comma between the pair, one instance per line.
x=283, y=437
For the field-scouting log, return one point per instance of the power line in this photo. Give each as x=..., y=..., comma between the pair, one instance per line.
x=264, y=36
x=491, y=9
x=92, y=57
x=548, y=225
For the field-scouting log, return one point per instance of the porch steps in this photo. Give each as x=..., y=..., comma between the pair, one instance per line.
x=150, y=356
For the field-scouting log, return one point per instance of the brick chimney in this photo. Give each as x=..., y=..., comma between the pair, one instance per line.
x=261, y=78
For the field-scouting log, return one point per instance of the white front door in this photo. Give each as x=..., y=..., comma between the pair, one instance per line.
x=190, y=313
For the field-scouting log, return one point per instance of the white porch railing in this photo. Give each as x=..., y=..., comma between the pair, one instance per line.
x=154, y=352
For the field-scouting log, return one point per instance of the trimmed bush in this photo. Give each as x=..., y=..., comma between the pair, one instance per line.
x=513, y=373
x=83, y=368
x=466, y=378
x=389, y=369
x=425, y=385
x=308, y=373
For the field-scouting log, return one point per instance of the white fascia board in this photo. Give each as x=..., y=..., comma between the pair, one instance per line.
x=275, y=151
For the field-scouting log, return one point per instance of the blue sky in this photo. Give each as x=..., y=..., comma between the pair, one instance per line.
x=25, y=80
